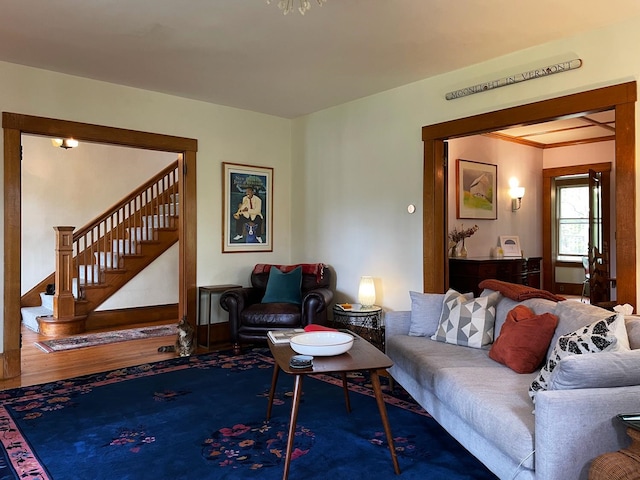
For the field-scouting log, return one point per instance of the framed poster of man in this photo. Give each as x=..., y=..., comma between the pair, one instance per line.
x=247, y=208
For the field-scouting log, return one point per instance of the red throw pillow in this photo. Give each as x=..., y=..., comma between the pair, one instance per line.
x=524, y=339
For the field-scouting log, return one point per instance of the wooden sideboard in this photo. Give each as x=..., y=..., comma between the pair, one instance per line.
x=466, y=273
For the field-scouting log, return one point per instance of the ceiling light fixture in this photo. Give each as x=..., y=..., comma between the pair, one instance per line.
x=64, y=143
x=303, y=5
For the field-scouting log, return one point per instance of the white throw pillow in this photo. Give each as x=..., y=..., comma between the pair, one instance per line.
x=606, y=335
x=467, y=322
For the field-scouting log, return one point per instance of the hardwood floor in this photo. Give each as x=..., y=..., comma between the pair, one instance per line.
x=40, y=367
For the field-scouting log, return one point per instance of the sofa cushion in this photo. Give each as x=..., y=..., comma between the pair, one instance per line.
x=524, y=339
x=284, y=287
x=605, y=370
x=494, y=403
x=633, y=330
x=426, y=309
x=469, y=323
x=573, y=315
x=604, y=335
x=505, y=305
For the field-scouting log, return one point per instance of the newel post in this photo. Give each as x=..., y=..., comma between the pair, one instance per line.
x=63, y=301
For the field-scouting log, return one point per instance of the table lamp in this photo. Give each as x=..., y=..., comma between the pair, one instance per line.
x=367, y=292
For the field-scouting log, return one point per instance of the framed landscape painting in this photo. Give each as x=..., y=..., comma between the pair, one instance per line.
x=476, y=190
x=247, y=203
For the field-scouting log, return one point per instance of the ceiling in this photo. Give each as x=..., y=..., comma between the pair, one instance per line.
x=247, y=54
x=594, y=127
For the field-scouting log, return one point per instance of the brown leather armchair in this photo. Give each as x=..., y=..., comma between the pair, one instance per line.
x=250, y=320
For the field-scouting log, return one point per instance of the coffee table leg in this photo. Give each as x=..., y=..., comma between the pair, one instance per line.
x=274, y=381
x=375, y=382
x=346, y=392
x=297, y=393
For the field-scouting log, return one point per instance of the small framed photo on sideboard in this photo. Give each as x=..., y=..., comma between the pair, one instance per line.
x=510, y=245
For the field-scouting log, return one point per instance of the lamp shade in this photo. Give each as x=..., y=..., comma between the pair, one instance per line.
x=367, y=292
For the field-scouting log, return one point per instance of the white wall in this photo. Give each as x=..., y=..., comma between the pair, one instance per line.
x=512, y=160
x=72, y=187
x=356, y=166
x=224, y=135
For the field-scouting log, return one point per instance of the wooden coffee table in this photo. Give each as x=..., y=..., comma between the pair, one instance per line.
x=363, y=356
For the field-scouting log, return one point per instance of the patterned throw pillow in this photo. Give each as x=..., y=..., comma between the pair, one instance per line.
x=469, y=323
x=606, y=335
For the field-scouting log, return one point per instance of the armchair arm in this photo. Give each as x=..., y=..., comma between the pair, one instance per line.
x=235, y=301
x=314, y=304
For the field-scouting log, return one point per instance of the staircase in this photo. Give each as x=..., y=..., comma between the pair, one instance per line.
x=100, y=258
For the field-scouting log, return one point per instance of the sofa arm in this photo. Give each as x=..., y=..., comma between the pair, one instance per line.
x=314, y=303
x=397, y=323
x=572, y=427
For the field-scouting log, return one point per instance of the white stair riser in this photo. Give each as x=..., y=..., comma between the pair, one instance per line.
x=157, y=221
x=138, y=233
x=107, y=259
x=88, y=274
x=124, y=247
x=46, y=300
x=169, y=209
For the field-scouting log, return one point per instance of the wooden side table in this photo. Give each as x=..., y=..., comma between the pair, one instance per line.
x=220, y=325
x=363, y=321
x=621, y=465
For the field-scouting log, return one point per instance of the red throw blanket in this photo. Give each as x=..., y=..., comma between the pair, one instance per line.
x=316, y=269
x=518, y=292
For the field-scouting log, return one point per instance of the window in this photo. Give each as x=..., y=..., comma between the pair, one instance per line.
x=572, y=201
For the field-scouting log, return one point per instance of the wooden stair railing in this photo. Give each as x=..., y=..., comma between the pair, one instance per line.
x=118, y=231
x=146, y=216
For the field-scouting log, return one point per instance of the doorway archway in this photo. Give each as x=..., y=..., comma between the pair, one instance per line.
x=621, y=97
x=14, y=126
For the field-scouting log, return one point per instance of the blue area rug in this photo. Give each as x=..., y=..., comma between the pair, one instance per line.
x=204, y=417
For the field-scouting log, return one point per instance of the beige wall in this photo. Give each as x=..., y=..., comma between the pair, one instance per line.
x=224, y=135
x=357, y=166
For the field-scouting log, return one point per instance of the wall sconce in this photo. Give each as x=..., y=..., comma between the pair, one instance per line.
x=516, y=193
x=367, y=292
x=64, y=143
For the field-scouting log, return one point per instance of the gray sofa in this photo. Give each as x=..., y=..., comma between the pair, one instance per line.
x=486, y=406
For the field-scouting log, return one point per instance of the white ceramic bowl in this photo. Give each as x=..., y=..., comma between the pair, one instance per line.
x=321, y=344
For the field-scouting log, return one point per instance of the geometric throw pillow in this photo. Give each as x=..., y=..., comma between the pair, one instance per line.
x=284, y=287
x=524, y=339
x=468, y=323
x=606, y=335
x=426, y=310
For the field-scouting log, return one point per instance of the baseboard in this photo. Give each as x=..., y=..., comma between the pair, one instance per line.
x=130, y=316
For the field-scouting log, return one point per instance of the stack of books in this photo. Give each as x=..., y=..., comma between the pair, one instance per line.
x=282, y=337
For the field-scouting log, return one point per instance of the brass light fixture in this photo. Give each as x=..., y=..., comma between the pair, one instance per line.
x=65, y=143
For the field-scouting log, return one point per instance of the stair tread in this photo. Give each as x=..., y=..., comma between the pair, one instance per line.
x=39, y=311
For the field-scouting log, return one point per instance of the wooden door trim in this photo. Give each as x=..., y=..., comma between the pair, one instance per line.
x=14, y=125
x=620, y=97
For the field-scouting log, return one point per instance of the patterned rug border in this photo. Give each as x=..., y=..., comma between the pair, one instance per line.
x=104, y=338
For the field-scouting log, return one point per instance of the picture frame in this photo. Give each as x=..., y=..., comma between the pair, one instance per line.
x=476, y=190
x=510, y=245
x=247, y=208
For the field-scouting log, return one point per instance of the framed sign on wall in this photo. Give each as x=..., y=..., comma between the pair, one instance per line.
x=247, y=206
